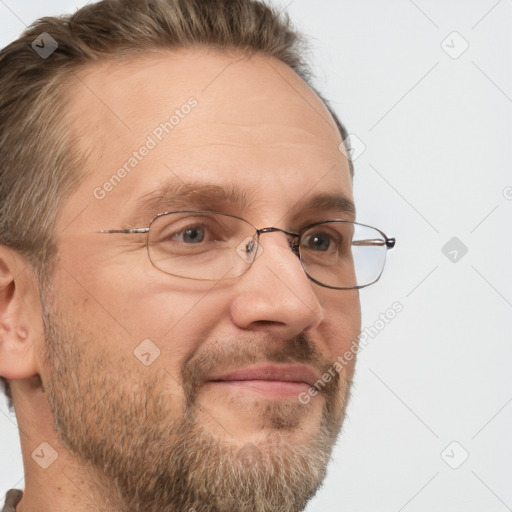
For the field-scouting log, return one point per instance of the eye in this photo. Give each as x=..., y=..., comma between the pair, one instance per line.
x=191, y=235
x=317, y=242
x=183, y=234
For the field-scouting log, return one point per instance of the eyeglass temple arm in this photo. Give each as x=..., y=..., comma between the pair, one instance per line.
x=124, y=231
x=389, y=242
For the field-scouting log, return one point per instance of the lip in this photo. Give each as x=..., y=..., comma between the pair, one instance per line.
x=279, y=378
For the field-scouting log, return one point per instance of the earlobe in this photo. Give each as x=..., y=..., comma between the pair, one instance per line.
x=20, y=318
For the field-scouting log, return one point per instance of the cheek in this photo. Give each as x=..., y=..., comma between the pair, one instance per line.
x=342, y=324
x=171, y=310
x=135, y=311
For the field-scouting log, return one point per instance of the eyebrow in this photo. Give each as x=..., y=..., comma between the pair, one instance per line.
x=175, y=195
x=178, y=195
x=338, y=202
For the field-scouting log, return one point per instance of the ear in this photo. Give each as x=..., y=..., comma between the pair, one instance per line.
x=21, y=325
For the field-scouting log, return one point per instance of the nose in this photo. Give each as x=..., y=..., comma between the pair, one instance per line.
x=275, y=295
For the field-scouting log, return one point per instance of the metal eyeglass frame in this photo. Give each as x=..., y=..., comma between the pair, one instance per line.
x=294, y=241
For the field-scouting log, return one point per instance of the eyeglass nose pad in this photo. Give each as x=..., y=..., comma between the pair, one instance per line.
x=294, y=246
x=249, y=249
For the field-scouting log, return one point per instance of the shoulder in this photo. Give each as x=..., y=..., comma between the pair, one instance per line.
x=12, y=498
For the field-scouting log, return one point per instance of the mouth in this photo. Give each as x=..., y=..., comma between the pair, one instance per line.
x=272, y=380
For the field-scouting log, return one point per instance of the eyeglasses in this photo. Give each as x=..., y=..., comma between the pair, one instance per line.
x=206, y=245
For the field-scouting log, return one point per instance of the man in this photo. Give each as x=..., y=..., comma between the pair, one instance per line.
x=179, y=263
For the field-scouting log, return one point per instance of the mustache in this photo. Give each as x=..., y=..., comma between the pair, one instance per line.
x=244, y=351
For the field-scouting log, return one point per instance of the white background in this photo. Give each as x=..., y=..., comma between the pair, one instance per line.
x=437, y=165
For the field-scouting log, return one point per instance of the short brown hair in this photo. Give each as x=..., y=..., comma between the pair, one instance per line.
x=39, y=164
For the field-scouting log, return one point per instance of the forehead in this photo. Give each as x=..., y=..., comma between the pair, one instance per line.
x=199, y=116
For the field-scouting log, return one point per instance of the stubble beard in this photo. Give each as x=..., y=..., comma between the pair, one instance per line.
x=147, y=449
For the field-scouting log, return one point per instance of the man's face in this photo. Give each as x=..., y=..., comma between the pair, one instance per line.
x=205, y=414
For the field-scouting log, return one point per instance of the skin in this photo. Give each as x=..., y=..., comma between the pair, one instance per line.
x=257, y=127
